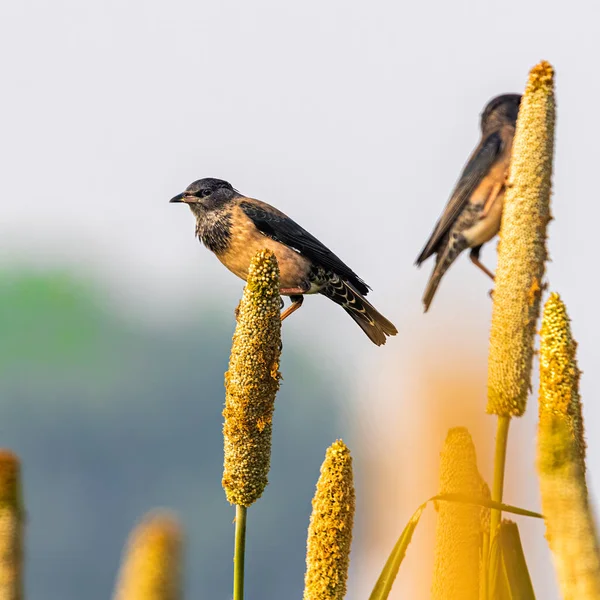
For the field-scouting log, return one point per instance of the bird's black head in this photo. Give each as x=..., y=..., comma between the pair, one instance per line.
x=206, y=194
x=500, y=110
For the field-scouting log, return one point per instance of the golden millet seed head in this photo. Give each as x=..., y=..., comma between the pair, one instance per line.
x=330, y=529
x=570, y=523
x=10, y=473
x=251, y=384
x=11, y=527
x=522, y=249
x=559, y=375
x=459, y=526
x=151, y=567
x=569, y=517
x=541, y=76
x=160, y=532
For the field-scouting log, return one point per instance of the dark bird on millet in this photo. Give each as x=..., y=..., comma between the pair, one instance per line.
x=236, y=228
x=473, y=213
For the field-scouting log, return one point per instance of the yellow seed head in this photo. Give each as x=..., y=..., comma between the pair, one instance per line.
x=10, y=475
x=559, y=373
x=459, y=527
x=251, y=384
x=11, y=527
x=570, y=526
x=522, y=248
x=330, y=529
x=151, y=566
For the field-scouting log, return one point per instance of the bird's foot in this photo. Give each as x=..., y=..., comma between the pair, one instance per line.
x=293, y=307
x=474, y=256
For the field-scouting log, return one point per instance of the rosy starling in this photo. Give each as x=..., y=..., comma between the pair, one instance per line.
x=472, y=215
x=236, y=228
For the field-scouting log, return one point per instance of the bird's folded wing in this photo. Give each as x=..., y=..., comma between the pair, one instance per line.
x=279, y=227
x=477, y=167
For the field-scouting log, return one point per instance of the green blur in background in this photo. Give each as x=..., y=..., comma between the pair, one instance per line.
x=112, y=417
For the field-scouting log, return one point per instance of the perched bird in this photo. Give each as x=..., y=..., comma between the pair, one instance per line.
x=236, y=228
x=472, y=216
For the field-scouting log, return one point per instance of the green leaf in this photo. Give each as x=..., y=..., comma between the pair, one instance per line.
x=384, y=584
x=513, y=559
x=498, y=587
x=463, y=499
x=508, y=574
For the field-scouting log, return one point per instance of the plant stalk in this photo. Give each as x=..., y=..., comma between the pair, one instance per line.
x=485, y=566
x=239, y=553
x=499, y=464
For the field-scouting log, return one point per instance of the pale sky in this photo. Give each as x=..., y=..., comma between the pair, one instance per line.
x=354, y=118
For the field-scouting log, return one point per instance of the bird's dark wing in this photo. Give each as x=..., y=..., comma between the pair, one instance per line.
x=276, y=225
x=478, y=165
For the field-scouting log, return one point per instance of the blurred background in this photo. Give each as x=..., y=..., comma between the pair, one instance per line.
x=355, y=119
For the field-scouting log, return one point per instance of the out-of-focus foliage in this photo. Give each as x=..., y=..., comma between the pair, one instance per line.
x=111, y=418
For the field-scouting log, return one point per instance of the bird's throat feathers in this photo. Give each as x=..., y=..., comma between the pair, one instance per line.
x=213, y=228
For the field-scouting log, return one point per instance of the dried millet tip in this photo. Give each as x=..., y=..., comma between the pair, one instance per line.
x=151, y=567
x=10, y=471
x=251, y=384
x=11, y=527
x=330, y=530
x=559, y=374
x=522, y=249
x=541, y=75
x=459, y=526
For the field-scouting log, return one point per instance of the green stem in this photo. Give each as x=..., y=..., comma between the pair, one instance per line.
x=499, y=464
x=497, y=492
x=485, y=560
x=240, y=552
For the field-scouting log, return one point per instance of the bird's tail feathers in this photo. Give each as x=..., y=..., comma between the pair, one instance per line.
x=456, y=244
x=372, y=322
x=432, y=286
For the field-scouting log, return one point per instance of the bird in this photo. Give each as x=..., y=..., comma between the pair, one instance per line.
x=235, y=228
x=472, y=215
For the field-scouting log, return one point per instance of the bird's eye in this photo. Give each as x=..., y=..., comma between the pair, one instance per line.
x=205, y=192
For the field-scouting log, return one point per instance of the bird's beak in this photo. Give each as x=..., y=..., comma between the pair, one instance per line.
x=178, y=198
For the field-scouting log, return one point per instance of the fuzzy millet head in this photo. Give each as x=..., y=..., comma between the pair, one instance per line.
x=522, y=248
x=152, y=562
x=459, y=526
x=251, y=384
x=330, y=529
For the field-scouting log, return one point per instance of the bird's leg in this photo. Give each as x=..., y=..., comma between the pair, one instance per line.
x=293, y=292
x=491, y=199
x=474, y=256
x=297, y=301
